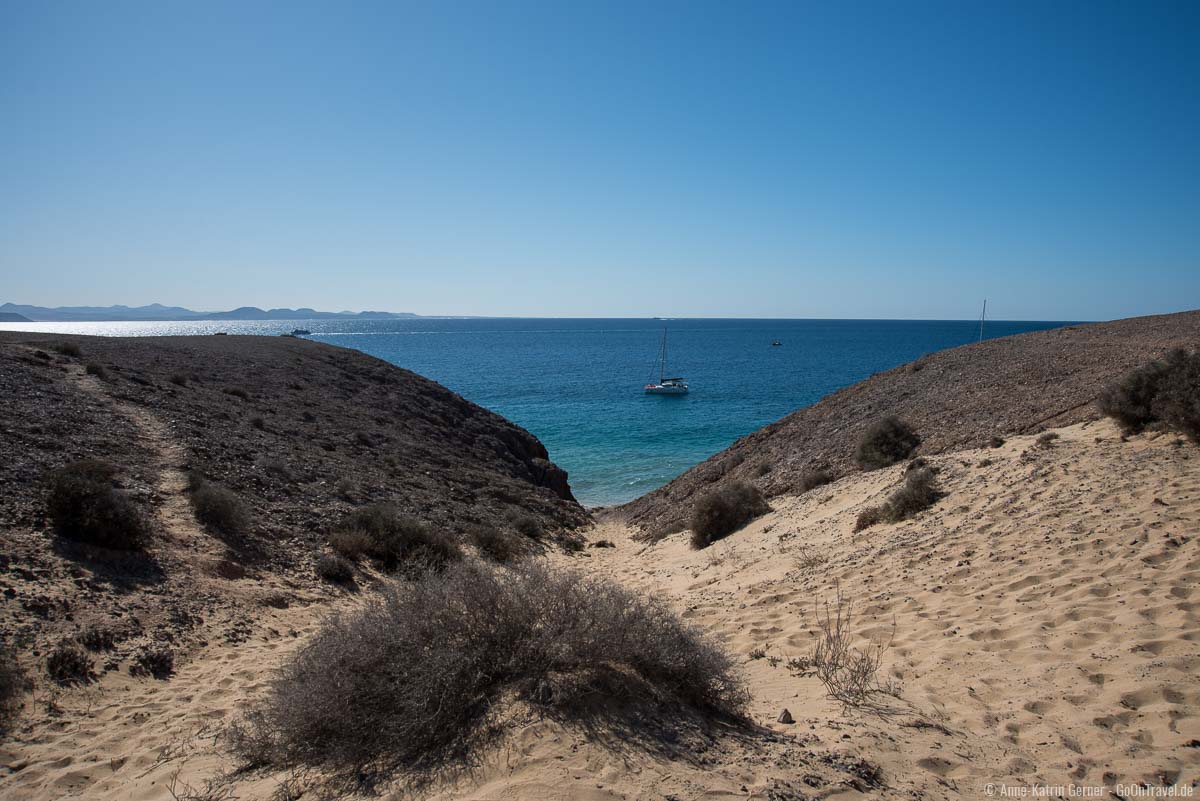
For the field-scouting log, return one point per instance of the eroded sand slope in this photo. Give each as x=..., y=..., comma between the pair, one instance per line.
x=1045, y=631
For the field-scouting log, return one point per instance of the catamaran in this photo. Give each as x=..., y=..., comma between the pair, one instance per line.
x=666, y=386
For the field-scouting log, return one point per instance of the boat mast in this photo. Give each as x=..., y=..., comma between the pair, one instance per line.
x=662, y=364
x=982, y=317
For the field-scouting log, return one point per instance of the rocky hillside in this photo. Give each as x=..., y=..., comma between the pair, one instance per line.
x=301, y=433
x=958, y=398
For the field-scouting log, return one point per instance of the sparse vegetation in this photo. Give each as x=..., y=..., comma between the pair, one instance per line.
x=393, y=540
x=724, y=510
x=69, y=663
x=496, y=545
x=218, y=508
x=917, y=493
x=13, y=684
x=812, y=479
x=237, y=392
x=86, y=506
x=274, y=466
x=527, y=525
x=763, y=469
x=98, y=638
x=1047, y=440
x=886, y=442
x=97, y=370
x=179, y=379
x=156, y=661
x=67, y=349
x=1165, y=393
x=259, y=423
x=335, y=568
x=850, y=674
x=996, y=442
x=418, y=678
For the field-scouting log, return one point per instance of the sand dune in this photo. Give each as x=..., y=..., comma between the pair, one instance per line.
x=1044, y=629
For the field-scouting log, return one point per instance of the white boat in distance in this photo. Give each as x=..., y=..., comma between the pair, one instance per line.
x=666, y=386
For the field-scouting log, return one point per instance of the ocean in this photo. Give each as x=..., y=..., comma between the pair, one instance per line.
x=577, y=384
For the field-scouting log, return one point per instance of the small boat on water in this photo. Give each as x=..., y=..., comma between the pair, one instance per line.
x=776, y=344
x=666, y=386
x=300, y=332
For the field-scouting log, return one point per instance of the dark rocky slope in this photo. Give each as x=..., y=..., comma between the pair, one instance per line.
x=956, y=398
x=301, y=432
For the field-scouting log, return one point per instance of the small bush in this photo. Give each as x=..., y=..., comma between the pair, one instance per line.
x=85, y=506
x=13, y=684
x=812, y=479
x=97, y=370
x=724, y=510
x=527, y=525
x=98, y=638
x=179, y=379
x=917, y=493
x=68, y=663
x=67, y=349
x=762, y=469
x=996, y=442
x=421, y=675
x=274, y=466
x=258, y=423
x=850, y=674
x=156, y=661
x=499, y=546
x=346, y=489
x=886, y=442
x=1165, y=392
x=237, y=392
x=218, y=508
x=1047, y=440
x=335, y=568
x=392, y=539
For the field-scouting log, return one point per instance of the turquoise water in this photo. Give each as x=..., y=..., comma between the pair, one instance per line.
x=577, y=384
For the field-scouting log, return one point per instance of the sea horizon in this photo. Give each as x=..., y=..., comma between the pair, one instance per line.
x=577, y=383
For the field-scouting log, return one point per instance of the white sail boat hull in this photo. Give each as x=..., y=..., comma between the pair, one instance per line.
x=666, y=389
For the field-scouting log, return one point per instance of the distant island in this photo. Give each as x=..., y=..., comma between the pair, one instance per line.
x=15, y=313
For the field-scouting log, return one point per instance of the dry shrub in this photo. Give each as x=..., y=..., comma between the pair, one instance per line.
x=918, y=492
x=421, y=675
x=393, y=540
x=97, y=370
x=335, y=568
x=996, y=442
x=156, y=661
x=812, y=479
x=1047, y=440
x=99, y=638
x=68, y=663
x=237, y=392
x=886, y=442
x=67, y=349
x=526, y=525
x=86, y=506
x=179, y=379
x=1165, y=392
x=220, y=509
x=850, y=674
x=496, y=545
x=724, y=510
x=13, y=684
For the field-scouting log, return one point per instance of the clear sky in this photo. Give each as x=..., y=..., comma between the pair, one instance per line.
x=841, y=159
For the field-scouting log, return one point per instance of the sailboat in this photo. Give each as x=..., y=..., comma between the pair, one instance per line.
x=666, y=386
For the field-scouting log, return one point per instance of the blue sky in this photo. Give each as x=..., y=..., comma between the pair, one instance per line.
x=882, y=159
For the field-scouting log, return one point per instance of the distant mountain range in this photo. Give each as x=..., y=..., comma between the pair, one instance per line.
x=13, y=312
